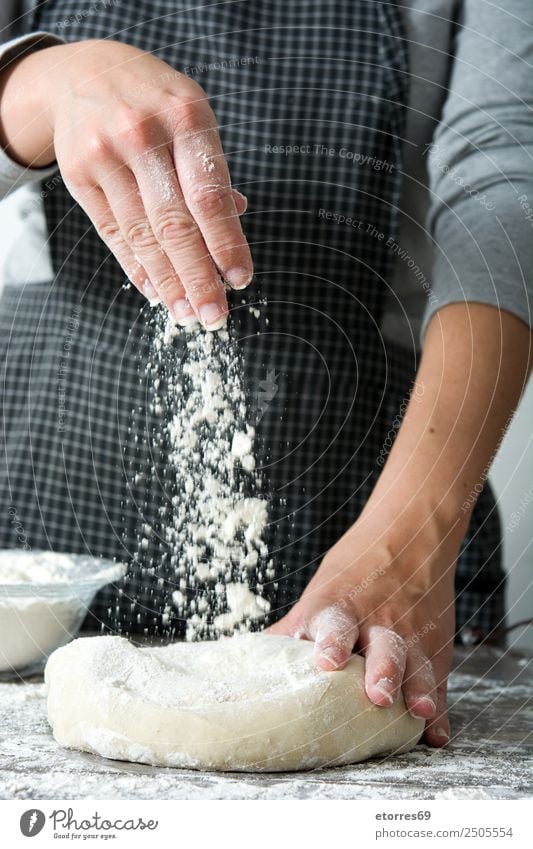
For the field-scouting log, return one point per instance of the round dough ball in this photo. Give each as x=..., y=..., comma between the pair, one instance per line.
x=254, y=702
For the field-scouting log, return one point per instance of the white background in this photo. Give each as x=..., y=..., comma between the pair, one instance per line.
x=512, y=475
x=226, y=824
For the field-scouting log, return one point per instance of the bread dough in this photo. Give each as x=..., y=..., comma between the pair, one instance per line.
x=253, y=702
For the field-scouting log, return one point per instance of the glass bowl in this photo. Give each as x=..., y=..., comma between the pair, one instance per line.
x=44, y=597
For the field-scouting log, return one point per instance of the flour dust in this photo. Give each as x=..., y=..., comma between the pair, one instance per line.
x=215, y=515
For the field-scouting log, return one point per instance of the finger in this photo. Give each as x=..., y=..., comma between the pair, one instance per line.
x=177, y=235
x=205, y=182
x=437, y=731
x=97, y=208
x=385, y=655
x=289, y=625
x=335, y=633
x=122, y=194
x=241, y=202
x=419, y=686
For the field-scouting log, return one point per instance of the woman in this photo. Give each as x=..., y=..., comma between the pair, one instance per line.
x=330, y=116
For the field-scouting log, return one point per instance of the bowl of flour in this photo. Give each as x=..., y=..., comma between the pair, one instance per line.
x=44, y=597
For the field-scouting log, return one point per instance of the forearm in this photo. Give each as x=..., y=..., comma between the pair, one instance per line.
x=473, y=370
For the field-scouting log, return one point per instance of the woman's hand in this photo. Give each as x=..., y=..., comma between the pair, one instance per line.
x=389, y=594
x=387, y=587
x=138, y=147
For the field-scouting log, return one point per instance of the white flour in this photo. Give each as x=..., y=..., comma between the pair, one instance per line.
x=45, y=567
x=215, y=529
x=30, y=628
x=207, y=162
x=243, y=604
x=42, y=602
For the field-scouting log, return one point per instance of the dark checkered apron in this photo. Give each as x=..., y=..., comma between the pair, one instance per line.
x=327, y=82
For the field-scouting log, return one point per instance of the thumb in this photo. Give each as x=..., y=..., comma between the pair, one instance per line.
x=335, y=633
x=289, y=625
x=333, y=630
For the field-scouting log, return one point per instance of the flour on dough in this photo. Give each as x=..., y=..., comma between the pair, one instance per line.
x=253, y=702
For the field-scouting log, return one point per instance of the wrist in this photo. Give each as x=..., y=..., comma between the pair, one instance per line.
x=428, y=485
x=420, y=519
x=407, y=549
x=30, y=90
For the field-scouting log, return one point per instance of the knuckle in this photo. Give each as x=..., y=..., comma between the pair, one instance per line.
x=109, y=231
x=208, y=201
x=188, y=118
x=140, y=236
x=76, y=179
x=174, y=229
x=192, y=110
x=195, y=89
x=132, y=130
x=384, y=637
x=98, y=149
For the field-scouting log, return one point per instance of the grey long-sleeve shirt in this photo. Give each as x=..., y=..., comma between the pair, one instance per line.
x=466, y=217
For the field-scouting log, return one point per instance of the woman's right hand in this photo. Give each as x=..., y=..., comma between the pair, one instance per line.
x=138, y=147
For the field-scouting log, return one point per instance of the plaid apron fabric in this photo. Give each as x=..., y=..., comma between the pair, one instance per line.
x=310, y=98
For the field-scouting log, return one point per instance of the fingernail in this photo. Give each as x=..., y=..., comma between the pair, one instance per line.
x=428, y=701
x=183, y=312
x=442, y=734
x=239, y=278
x=331, y=654
x=213, y=316
x=150, y=292
x=384, y=690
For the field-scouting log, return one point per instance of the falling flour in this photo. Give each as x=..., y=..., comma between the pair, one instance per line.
x=215, y=527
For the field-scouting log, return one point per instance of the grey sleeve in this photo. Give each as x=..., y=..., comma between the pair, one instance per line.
x=481, y=165
x=13, y=175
